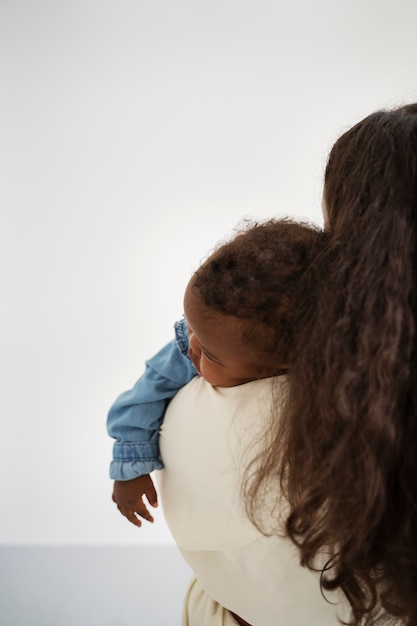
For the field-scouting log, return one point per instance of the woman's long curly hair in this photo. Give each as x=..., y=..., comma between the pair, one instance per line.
x=346, y=444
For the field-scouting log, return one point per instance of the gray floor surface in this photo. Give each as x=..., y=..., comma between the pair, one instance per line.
x=92, y=586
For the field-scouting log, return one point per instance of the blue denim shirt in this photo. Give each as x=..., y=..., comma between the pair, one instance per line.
x=136, y=416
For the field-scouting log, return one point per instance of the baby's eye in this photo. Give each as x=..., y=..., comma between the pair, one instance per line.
x=208, y=356
x=211, y=358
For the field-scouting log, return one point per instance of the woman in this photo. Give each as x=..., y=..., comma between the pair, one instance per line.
x=343, y=446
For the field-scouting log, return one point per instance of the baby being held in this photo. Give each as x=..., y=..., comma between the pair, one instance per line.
x=242, y=307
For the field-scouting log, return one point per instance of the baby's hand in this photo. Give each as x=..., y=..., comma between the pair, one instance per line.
x=128, y=494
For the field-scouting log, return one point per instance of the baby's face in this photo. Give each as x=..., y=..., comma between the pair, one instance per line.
x=216, y=347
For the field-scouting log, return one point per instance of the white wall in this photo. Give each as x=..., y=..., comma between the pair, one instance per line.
x=133, y=136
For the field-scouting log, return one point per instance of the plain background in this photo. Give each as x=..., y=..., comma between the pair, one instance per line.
x=133, y=136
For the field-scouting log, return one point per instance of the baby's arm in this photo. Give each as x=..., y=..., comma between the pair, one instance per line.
x=134, y=421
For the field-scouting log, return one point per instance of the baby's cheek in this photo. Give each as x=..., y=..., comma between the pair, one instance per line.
x=215, y=375
x=207, y=371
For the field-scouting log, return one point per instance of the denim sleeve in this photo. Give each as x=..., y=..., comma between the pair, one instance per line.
x=136, y=416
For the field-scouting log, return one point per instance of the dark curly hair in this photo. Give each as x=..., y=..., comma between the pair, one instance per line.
x=346, y=442
x=257, y=276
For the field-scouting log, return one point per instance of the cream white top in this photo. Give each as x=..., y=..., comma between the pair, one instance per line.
x=208, y=436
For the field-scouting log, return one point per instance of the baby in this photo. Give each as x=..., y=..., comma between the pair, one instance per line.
x=241, y=308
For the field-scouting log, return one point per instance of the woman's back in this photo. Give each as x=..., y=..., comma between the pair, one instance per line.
x=208, y=437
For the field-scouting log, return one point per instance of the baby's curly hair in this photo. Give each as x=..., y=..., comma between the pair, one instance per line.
x=258, y=276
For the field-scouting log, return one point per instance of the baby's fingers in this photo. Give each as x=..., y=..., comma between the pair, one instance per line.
x=130, y=515
x=131, y=512
x=151, y=494
x=129, y=497
x=141, y=510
